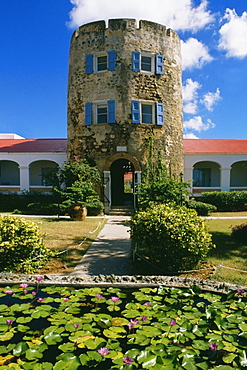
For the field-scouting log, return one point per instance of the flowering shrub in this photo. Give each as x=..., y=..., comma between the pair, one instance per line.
x=174, y=237
x=155, y=328
x=240, y=232
x=21, y=245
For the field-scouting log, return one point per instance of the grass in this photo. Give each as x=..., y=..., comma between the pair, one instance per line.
x=228, y=252
x=73, y=237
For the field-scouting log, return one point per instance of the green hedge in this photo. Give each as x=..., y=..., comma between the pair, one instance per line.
x=36, y=203
x=202, y=209
x=226, y=201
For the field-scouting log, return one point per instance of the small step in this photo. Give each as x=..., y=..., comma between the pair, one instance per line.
x=121, y=211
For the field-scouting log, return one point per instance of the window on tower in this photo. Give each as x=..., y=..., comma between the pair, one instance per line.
x=101, y=62
x=147, y=112
x=100, y=112
x=147, y=62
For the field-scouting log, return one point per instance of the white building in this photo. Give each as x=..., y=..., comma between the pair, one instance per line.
x=25, y=162
x=210, y=164
x=215, y=164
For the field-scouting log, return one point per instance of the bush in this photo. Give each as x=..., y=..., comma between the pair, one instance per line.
x=226, y=201
x=202, y=209
x=166, y=190
x=240, y=233
x=173, y=237
x=21, y=246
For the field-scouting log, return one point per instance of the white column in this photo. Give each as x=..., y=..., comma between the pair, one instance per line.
x=107, y=191
x=24, y=178
x=225, y=178
x=188, y=177
x=136, y=186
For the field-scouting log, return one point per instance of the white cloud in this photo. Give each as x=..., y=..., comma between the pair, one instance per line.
x=190, y=96
x=210, y=99
x=190, y=136
x=197, y=124
x=194, y=54
x=233, y=33
x=176, y=14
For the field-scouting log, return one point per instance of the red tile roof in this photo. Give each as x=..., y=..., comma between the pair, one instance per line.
x=33, y=145
x=215, y=146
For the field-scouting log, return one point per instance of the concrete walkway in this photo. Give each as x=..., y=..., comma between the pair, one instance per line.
x=110, y=252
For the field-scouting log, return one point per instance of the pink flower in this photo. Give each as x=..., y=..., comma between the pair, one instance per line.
x=115, y=299
x=9, y=292
x=147, y=304
x=25, y=291
x=132, y=323
x=213, y=346
x=40, y=299
x=104, y=351
x=39, y=278
x=34, y=293
x=76, y=326
x=173, y=322
x=99, y=296
x=23, y=285
x=9, y=322
x=128, y=360
x=144, y=318
x=66, y=299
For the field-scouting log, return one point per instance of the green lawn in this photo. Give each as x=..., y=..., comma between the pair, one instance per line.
x=228, y=251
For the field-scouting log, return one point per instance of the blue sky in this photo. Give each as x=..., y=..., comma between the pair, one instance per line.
x=34, y=53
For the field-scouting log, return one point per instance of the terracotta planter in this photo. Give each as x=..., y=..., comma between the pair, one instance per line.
x=77, y=212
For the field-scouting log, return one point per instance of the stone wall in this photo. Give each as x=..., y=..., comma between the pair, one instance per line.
x=124, y=85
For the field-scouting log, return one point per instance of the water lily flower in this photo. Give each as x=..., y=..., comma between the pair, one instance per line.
x=40, y=299
x=23, y=285
x=99, y=296
x=147, y=304
x=76, y=326
x=9, y=292
x=144, y=318
x=213, y=346
x=173, y=322
x=39, y=278
x=66, y=299
x=128, y=360
x=25, y=291
x=239, y=291
x=132, y=323
x=9, y=322
x=104, y=351
x=115, y=299
x=34, y=293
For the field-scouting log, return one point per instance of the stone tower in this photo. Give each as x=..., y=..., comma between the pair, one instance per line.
x=124, y=87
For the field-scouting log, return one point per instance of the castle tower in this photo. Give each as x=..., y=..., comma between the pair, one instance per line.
x=124, y=87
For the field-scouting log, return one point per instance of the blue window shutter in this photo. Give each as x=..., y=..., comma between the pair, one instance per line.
x=136, y=57
x=160, y=114
x=89, y=64
x=88, y=114
x=135, y=111
x=159, y=70
x=111, y=111
x=112, y=60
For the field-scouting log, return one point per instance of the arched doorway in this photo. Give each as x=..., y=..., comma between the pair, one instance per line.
x=122, y=183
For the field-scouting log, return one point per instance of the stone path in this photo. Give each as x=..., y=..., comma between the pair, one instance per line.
x=110, y=252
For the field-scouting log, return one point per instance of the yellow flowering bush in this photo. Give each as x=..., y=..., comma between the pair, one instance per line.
x=21, y=246
x=173, y=237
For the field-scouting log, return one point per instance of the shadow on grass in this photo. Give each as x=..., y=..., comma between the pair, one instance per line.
x=227, y=247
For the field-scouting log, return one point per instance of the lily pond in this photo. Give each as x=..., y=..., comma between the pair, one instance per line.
x=154, y=328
